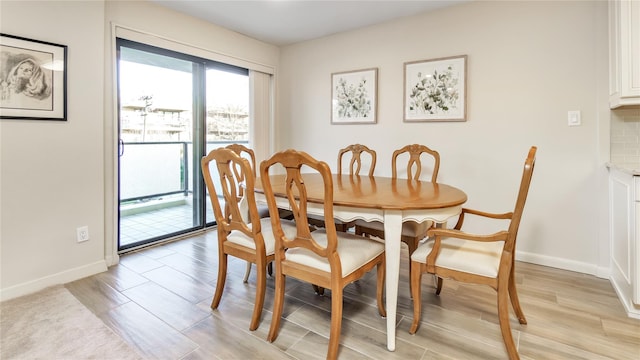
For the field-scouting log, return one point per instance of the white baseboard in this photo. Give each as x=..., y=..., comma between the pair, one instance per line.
x=112, y=259
x=565, y=264
x=632, y=310
x=54, y=279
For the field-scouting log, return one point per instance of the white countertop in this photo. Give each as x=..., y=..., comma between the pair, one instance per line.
x=633, y=169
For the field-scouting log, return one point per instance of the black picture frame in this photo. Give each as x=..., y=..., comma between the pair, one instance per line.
x=33, y=79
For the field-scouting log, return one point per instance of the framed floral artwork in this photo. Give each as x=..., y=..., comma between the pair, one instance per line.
x=436, y=90
x=354, y=97
x=33, y=79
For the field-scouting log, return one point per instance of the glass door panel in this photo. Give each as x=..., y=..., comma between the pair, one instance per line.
x=156, y=147
x=227, y=112
x=173, y=109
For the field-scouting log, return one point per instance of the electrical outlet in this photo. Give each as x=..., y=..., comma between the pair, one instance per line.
x=82, y=233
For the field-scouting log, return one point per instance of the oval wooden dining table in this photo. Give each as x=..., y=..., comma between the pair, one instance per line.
x=376, y=198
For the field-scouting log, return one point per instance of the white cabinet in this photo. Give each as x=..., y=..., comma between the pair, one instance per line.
x=624, y=53
x=636, y=286
x=624, y=209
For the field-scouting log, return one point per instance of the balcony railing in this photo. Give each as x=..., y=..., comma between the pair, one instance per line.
x=154, y=169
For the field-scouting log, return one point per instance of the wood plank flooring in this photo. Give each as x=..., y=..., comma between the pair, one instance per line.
x=158, y=300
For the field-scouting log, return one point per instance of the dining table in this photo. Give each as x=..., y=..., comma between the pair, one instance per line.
x=391, y=201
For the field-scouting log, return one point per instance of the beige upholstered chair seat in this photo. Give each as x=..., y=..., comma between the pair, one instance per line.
x=238, y=237
x=352, y=249
x=480, y=258
x=409, y=228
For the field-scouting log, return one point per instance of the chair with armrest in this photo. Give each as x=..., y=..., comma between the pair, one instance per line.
x=326, y=257
x=355, y=165
x=412, y=232
x=487, y=259
x=241, y=231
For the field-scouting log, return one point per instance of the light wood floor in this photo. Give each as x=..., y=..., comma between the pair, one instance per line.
x=158, y=301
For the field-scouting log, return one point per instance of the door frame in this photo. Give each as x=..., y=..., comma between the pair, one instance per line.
x=264, y=119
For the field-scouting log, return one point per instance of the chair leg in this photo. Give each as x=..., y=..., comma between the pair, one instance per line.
x=438, y=284
x=247, y=272
x=513, y=294
x=416, y=279
x=380, y=289
x=503, y=316
x=318, y=290
x=222, y=277
x=277, y=306
x=261, y=287
x=336, y=322
x=412, y=245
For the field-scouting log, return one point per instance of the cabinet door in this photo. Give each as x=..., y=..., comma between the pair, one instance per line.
x=636, y=263
x=623, y=222
x=621, y=196
x=624, y=53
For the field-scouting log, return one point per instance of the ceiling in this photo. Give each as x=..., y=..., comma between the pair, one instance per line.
x=285, y=22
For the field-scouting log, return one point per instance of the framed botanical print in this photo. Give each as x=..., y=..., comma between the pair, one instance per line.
x=354, y=97
x=436, y=90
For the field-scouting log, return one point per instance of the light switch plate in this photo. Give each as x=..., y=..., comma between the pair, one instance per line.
x=573, y=118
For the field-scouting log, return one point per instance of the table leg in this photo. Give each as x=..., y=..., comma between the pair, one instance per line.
x=392, y=234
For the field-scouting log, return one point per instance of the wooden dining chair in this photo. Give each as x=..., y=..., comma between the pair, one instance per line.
x=263, y=210
x=412, y=232
x=241, y=231
x=325, y=257
x=487, y=259
x=250, y=155
x=356, y=163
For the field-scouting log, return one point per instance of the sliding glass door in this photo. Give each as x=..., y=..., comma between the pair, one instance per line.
x=173, y=108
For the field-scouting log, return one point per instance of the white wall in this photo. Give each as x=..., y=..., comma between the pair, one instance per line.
x=52, y=173
x=57, y=176
x=528, y=64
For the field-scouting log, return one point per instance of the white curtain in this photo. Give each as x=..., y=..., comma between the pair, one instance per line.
x=261, y=110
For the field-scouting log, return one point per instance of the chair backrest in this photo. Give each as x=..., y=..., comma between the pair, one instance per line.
x=246, y=153
x=232, y=169
x=355, y=164
x=295, y=189
x=527, y=173
x=415, y=152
